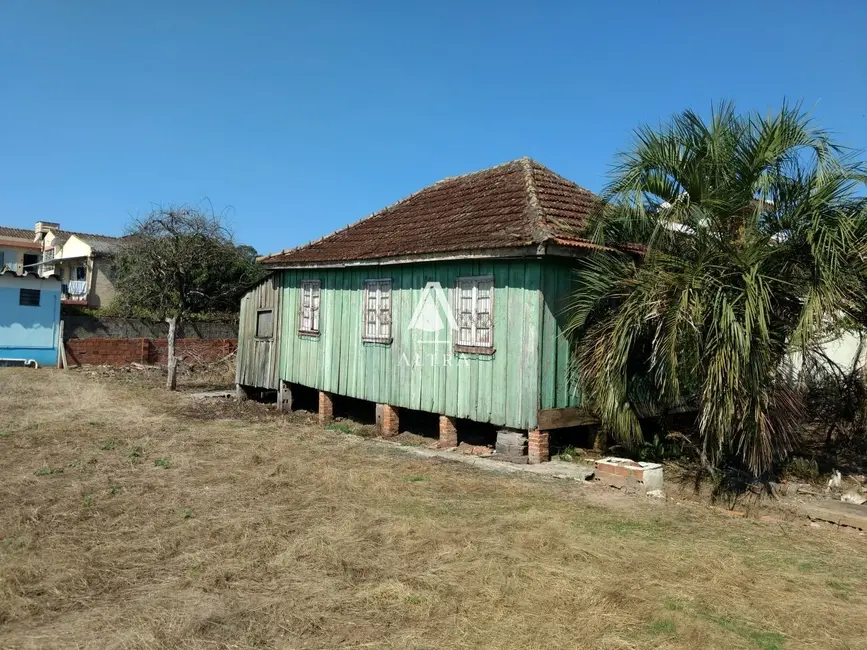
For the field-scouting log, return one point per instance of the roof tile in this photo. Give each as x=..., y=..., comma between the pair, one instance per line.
x=515, y=204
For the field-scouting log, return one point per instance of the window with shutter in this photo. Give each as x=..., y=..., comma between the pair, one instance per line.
x=377, y=311
x=47, y=256
x=474, y=314
x=308, y=321
x=264, y=324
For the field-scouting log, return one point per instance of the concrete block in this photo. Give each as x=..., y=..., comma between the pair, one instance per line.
x=511, y=446
x=630, y=474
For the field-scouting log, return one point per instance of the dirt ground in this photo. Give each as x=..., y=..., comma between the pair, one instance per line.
x=132, y=518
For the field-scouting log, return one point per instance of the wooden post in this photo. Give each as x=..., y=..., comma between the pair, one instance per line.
x=62, y=349
x=172, y=379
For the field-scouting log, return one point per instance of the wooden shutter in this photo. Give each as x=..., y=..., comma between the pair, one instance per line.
x=377, y=311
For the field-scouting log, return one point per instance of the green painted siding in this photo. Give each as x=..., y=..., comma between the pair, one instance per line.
x=257, y=360
x=555, y=389
x=502, y=388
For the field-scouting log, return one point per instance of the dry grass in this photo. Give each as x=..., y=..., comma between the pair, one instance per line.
x=133, y=519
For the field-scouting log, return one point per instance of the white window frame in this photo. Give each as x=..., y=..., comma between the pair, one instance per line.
x=308, y=309
x=47, y=256
x=379, y=329
x=473, y=323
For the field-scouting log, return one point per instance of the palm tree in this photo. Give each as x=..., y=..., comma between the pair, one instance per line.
x=732, y=243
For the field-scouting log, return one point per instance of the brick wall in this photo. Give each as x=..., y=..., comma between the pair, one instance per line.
x=119, y=352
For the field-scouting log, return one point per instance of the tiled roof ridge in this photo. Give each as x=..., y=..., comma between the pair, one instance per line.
x=556, y=227
x=88, y=234
x=536, y=216
x=32, y=233
x=29, y=231
x=392, y=206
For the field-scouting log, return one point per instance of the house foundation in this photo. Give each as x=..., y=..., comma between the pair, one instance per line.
x=387, y=420
x=326, y=407
x=511, y=446
x=448, y=432
x=284, y=397
x=537, y=446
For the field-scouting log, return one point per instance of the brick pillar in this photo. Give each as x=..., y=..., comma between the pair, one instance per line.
x=448, y=432
x=390, y=422
x=600, y=438
x=284, y=397
x=537, y=447
x=326, y=407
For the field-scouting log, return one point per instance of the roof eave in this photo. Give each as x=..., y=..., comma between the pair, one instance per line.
x=550, y=248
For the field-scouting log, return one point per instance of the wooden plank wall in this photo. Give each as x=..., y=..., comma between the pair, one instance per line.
x=258, y=359
x=411, y=372
x=555, y=388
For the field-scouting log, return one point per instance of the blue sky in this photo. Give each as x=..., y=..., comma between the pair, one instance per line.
x=298, y=118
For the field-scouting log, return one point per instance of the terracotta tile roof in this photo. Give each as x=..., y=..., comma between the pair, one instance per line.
x=64, y=235
x=61, y=236
x=20, y=243
x=17, y=233
x=5, y=271
x=516, y=204
x=97, y=243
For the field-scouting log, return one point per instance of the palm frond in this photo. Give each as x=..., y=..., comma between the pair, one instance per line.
x=754, y=240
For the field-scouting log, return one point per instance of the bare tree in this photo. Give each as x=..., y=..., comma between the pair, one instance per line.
x=181, y=260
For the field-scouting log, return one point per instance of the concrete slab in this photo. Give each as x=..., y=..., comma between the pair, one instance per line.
x=554, y=469
x=211, y=394
x=837, y=512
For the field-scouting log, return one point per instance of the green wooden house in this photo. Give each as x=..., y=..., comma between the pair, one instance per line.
x=448, y=301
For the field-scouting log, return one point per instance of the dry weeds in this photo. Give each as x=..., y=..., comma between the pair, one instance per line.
x=135, y=519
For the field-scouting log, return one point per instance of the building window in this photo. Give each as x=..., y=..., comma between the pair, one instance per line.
x=377, y=311
x=29, y=297
x=47, y=256
x=264, y=324
x=474, y=314
x=30, y=260
x=309, y=313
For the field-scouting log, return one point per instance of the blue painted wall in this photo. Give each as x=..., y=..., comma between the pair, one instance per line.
x=29, y=332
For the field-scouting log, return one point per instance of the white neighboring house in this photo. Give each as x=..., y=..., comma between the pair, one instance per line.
x=838, y=355
x=83, y=262
x=18, y=249
x=843, y=353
